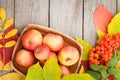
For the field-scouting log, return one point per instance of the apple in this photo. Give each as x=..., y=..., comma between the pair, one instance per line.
x=52, y=54
x=54, y=41
x=24, y=58
x=64, y=70
x=68, y=55
x=41, y=52
x=31, y=39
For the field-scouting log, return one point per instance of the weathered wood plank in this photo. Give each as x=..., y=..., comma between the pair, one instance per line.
x=90, y=34
x=31, y=11
x=66, y=16
x=9, y=7
x=118, y=5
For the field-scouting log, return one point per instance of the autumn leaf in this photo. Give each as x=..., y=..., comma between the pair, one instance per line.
x=12, y=76
x=10, y=44
x=102, y=18
x=8, y=23
x=2, y=14
x=100, y=35
x=11, y=33
x=114, y=26
x=86, y=48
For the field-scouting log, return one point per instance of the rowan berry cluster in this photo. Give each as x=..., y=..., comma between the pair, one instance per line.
x=103, y=52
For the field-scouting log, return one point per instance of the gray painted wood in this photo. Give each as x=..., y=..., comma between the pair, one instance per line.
x=9, y=7
x=118, y=5
x=31, y=11
x=66, y=16
x=90, y=34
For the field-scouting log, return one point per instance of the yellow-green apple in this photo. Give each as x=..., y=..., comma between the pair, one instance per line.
x=31, y=39
x=68, y=55
x=54, y=41
x=25, y=58
x=65, y=71
x=41, y=52
x=52, y=54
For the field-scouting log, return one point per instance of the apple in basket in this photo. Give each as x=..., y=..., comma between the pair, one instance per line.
x=31, y=39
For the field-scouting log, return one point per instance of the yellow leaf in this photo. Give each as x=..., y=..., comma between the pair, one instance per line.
x=10, y=44
x=81, y=70
x=12, y=76
x=1, y=45
x=11, y=33
x=1, y=36
x=1, y=65
x=100, y=35
x=0, y=28
x=8, y=66
x=2, y=14
x=8, y=23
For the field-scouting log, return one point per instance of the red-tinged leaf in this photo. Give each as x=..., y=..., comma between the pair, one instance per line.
x=7, y=54
x=7, y=30
x=111, y=77
x=102, y=18
x=15, y=37
x=85, y=64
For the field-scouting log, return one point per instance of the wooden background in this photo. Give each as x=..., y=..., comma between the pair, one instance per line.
x=72, y=17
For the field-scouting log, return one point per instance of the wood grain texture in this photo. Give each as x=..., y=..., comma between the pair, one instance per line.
x=31, y=11
x=90, y=34
x=118, y=5
x=8, y=5
x=66, y=16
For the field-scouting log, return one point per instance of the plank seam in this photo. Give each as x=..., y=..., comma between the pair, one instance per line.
x=83, y=19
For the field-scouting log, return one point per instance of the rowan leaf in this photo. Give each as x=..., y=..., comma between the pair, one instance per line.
x=8, y=23
x=2, y=14
x=1, y=35
x=8, y=66
x=11, y=33
x=10, y=43
x=114, y=26
x=102, y=18
x=1, y=45
x=86, y=47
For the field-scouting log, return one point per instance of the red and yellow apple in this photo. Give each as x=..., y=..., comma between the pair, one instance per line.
x=54, y=41
x=65, y=70
x=68, y=55
x=52, y=54
x=42, y=52
x=25, y=58
x=31, y=39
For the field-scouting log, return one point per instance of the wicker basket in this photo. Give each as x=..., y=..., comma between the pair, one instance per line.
x=44, y=30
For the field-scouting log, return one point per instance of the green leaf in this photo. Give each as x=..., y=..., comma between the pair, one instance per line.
x=51, y=70
x=86, y=48
x=113, y=71
x=114, y=26
x=84, y=76
x=116, y=79
x=112, y=62
x=95, y=75
x=118, y=54
x=100, y=69
x=100, y=35
x=34, y=72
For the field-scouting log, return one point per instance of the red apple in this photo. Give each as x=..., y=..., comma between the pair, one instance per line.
x=31, y=39
x=52, y=54
x=64, y=70
x=24, y=58
x=54, y=41
x=68, y=55
x=41, y=52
